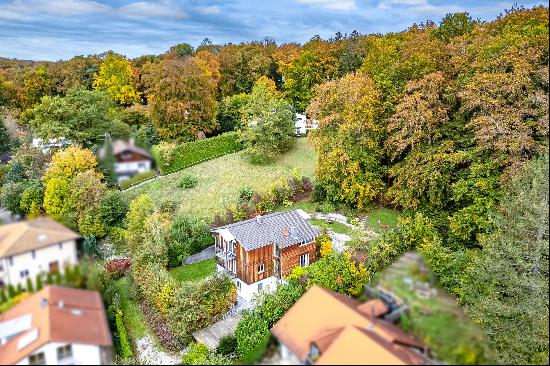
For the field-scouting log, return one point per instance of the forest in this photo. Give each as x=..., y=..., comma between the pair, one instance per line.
x=447, y=123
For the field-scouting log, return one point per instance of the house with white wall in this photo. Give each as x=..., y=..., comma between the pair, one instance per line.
x=130, y=160
x=56, y=326
x=302, y=124
x=50, y=144
x=30, y=247
x=259, y=252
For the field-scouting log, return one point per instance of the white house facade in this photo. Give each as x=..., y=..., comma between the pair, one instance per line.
x=33, y=247
x=56, y=353
x=130, y=160
x=51, y=144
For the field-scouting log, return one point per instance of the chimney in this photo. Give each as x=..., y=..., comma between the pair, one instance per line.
x=293, y=232
x=61, y=304
x=259, y=219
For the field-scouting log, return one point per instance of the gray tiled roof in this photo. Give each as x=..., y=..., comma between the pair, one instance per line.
x=252, y=234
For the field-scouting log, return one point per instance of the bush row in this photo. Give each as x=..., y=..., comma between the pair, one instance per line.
x=285, y=191
x=124, y=344
x=138, y=178
x=171, y=158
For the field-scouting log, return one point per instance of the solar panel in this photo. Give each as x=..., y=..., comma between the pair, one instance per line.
x=27, y=339
x=12, y=327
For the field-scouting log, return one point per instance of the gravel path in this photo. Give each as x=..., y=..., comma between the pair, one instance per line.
x=148, y=354
x=200, y=256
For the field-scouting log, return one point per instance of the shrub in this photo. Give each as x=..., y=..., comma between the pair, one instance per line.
x=3, y=297
x=245, y=194
x=172, y=158
x=125, y=348
x=227, y=345
x=166, y=336
x=118, y=267
x=113, y=208
x=196, y=354
x=49, y=278
x=252, y=335
x=188, y=181
x=125, y=184
x=188, y=235
x=90, y=246
x=324, y=244
x=272, y=306
x=57, y=278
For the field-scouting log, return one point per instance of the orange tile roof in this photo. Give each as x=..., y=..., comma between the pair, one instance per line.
x=374, y=308
x=342, y=333
x=81, y=320
x=23, y=236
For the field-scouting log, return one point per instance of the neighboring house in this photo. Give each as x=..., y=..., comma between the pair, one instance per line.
x=303, y=124
x=56, y=326
x=52, y=144
x=300, y=124
x=129, y=159
x=34, y=246
x=325, y=327
x=259, y=252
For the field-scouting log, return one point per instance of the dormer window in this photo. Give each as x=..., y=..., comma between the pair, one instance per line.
x=261, y=268
x=314, y=352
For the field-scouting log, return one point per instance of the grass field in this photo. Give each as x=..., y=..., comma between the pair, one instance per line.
x=385, y=215
x=219, y=180
x=134, y=321
x=195, y=271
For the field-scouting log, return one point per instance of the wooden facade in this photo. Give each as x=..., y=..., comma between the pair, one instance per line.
x=247, y=265
x=130, y=156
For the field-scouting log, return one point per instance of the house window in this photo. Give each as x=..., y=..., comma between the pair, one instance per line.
x=60, y=245
x=260, y=286
x=142, y=165
x=37, y=359
x=11, y=261
x=261, y=268
x=33, y=254
x=304, y=260
x=1, y=267
x=24, y=273
x=64, y=352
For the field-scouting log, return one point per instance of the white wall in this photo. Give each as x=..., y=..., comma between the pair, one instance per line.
x=133, y=166
x=248, y=292
x=83, y=354
x=40, y=263
x=288, y=356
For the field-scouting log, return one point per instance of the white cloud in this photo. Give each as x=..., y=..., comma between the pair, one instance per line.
x=146, y=9
x=345, y=5
x=18, y=10
x=419, y=7
x=208, y=10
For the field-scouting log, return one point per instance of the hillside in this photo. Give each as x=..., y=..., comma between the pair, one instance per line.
x=220, y=180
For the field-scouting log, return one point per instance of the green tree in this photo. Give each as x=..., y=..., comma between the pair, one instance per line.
x=113, y=208
x=11, y=291
x=140, y=209
x=188, y=235
x=82, y=116
x=49, y=278
x=508, y=291
x=182, y=50
x=267, y=124
x=454, y=25
x=5, y=142
x=10, y=197
x=39, y=282
x=252, y=335
x=229, y=115
x=108, y=161
x=3, y=297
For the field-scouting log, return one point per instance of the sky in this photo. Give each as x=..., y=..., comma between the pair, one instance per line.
x=60, y=29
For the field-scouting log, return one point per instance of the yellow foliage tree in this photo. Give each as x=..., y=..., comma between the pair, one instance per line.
x=116, y=76
x=325, y=245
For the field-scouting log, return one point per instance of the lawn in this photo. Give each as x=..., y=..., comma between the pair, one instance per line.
x=133, y=319
x=385, y=215
x=195, y=271
x=337, y=227
x=219, y=180
x=438, y=321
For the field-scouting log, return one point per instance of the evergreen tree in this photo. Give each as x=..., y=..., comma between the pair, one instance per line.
x=19, y=289
x=30, y=287
x=4, y=137
x=49, y=279
x=108, y=161
x=57, y=278
x=38, y=281
x=3, y=297
x=508, y=290
x=11, y=291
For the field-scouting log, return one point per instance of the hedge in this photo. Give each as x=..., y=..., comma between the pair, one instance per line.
x=125, y=348
x=137, y=179
x=171, y=158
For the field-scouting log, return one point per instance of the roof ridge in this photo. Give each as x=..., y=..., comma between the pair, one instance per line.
x=272, y=214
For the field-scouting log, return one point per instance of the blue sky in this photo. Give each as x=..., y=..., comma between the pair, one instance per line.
x=60, y=29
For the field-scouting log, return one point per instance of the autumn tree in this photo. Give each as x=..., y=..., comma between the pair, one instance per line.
x=349, y=139
x=454, y=25
x=36, y=84
x=229, y=114
x=182, y=96
x=73, y=73
x=418, y=115
x=116, y=76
